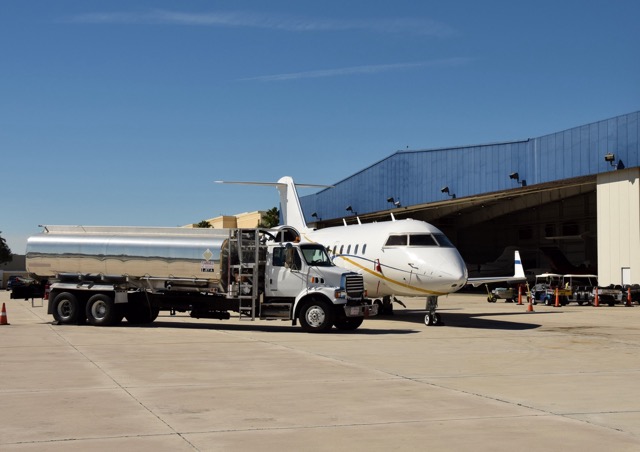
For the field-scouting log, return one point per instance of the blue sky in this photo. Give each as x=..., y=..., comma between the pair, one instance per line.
x=125, y=112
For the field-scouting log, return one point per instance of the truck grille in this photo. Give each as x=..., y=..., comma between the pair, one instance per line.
x=354, y=285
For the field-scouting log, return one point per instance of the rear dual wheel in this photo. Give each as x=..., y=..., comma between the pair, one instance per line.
x=66, y=308
x=102, y=311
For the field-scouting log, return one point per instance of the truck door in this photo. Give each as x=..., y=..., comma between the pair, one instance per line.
x=286, y=275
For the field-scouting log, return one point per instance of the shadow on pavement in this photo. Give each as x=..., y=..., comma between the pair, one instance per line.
x=467, y=320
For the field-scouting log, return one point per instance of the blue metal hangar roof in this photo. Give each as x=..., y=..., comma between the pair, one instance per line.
x=417, y=177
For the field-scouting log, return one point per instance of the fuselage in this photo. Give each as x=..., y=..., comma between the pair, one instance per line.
x=403, y=257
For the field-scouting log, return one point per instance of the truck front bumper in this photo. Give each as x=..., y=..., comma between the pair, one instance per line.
x=366, y=310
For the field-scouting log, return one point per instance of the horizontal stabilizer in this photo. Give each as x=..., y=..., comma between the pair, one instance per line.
x=289, y=201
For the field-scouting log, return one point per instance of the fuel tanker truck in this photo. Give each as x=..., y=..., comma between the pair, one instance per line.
x=102, y=274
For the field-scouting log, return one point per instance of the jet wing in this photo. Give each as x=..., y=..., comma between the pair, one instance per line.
x=518, y=274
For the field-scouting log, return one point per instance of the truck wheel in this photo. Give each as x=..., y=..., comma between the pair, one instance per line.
x=66, y=308
x=316, y=316
x=102, y=311
x=138, y=313
x=348, y=323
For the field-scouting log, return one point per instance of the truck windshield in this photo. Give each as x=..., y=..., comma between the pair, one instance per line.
x=316, y=255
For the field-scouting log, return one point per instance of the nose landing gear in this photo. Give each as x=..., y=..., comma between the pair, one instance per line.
x=432, y=318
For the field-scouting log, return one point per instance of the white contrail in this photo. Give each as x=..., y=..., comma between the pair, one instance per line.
x=283, y=22
x=370, y=69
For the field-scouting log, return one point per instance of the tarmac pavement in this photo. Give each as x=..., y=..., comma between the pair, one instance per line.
x=494, y=377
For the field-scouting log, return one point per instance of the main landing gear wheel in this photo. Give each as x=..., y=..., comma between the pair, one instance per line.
x=432, y=319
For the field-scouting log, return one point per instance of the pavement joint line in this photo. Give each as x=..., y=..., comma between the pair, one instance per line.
x=542, y=412
x=123, y=388
x=65, y=440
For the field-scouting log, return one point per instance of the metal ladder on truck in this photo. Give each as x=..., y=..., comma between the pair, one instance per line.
x=245, y=273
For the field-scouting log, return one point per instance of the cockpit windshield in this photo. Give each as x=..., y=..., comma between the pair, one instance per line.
x=316, y=255
x=419, y=239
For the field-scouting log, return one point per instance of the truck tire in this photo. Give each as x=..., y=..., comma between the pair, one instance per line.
x=66, y=308
x=102, y=311
x=316, y=316
x=140, y=313
x=348, y=323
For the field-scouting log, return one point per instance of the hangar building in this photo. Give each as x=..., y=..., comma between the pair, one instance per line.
x=569, y=201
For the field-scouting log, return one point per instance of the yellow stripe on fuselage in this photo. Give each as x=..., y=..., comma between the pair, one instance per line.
x=381, y=276
x=392, y=281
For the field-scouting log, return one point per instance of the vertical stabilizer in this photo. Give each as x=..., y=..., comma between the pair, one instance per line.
x=519, y=269
x=290, y=204
x=290, y=207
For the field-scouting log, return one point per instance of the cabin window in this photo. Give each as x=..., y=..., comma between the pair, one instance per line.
x=341, y=248
x=396, y=240
x=349, y=249
x=422, y=240
x=364, y=249
x=334, y=249
x=356, y=250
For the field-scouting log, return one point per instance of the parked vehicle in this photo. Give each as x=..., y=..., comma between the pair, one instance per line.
x=17, y=281
x=544, y=289
x=104, y=274
x=509, y=294
x=581, y=288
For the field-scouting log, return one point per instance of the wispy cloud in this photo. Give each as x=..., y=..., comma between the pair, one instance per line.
x=370, y=69
x=284, y=22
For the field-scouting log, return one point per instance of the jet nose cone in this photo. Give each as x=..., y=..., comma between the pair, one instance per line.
x=454, y=274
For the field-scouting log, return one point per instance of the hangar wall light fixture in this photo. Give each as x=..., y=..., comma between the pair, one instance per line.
x=446, y=190
x=350, y=209
x=315, y=215
x=516, y=177
x=611, y=158
x=394, y=202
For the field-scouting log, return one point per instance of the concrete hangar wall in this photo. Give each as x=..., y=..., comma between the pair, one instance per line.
x=554, y=197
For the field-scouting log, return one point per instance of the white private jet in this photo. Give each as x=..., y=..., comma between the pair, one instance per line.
x=397, y=257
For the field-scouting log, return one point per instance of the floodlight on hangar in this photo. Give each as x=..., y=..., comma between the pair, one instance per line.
x=394, y=201
x=447, y=191
x=611, y=158
x=516, y=177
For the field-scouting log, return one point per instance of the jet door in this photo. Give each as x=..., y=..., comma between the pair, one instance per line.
x=286, y=277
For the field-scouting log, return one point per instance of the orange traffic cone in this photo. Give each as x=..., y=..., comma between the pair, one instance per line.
x=3, y=316
x=530, y=304
x=520, y=295
x=596, y=302
x=557, y=305
x=628, y=304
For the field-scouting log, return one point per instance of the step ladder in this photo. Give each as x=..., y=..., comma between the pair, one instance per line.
x=244, y=245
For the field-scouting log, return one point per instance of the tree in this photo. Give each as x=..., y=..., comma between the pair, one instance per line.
x=270, y=219
x=203, y=224
x=5, y=251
